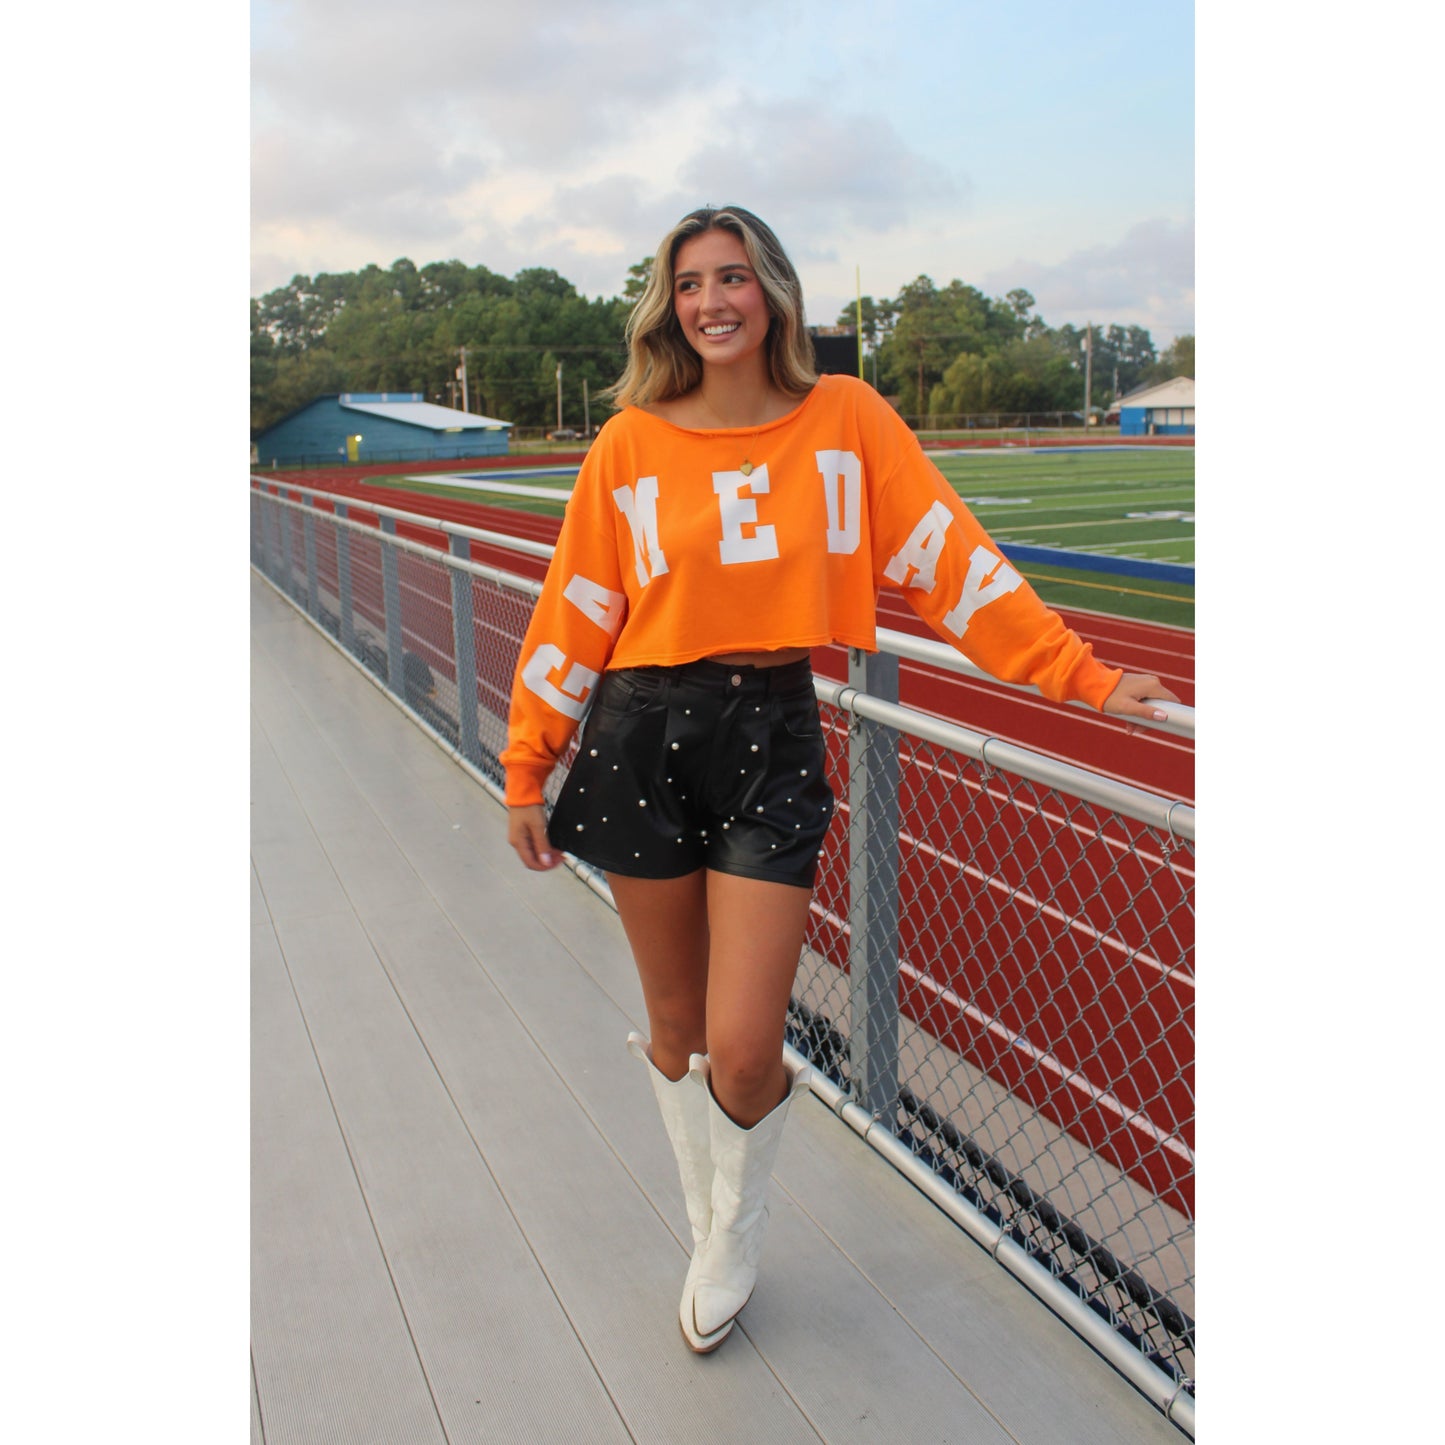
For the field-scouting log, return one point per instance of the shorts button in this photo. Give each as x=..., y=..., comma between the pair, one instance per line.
x=736, y=679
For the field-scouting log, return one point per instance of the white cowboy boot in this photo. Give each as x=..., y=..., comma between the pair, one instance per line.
x=683, y=1104
x=725, y=1268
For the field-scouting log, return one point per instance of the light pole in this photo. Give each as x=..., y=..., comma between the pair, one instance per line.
x=559, y=395
x=1088, y=371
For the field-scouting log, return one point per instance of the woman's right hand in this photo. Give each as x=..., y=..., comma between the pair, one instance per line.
x=527, y=833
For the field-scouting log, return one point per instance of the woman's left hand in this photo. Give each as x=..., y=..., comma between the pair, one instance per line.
x=1128, y=698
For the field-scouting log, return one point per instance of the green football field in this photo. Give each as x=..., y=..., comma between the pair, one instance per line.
x=1133, y=502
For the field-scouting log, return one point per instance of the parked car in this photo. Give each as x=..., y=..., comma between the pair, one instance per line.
x=563, y=434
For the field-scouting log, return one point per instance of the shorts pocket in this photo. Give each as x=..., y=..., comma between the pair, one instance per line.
x=629, y=692
x=799, y=715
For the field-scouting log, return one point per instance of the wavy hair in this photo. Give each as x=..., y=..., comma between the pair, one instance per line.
x=660, y=362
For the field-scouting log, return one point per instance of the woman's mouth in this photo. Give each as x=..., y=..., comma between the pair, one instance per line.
x=720, y=328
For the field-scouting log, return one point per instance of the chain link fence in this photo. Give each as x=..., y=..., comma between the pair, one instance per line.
x=998, y=971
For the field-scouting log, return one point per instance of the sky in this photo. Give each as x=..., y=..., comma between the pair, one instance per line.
x=1047, y=146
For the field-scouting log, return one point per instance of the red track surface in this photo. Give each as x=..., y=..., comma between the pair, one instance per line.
x=1155, y=761
x=1011, y=931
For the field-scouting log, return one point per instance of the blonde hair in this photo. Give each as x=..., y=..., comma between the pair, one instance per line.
x=660, y=362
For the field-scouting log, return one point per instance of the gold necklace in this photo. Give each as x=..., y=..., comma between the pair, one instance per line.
x=747, y=467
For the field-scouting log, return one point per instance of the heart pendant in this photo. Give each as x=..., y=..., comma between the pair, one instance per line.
x=746, y=469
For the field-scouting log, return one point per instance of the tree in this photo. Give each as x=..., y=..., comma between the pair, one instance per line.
x=638, y=275
x=1178, y=360
x=941, y=350
x=1020, y=302
x=878, y=318
x=934, y=325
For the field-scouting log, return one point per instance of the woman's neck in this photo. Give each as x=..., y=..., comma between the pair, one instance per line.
x=740, y=397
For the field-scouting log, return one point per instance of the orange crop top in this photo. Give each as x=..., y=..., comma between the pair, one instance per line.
x=670, y=552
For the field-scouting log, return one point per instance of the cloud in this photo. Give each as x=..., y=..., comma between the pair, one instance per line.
x=1145, y=279
x=550, y=88
x=574, y=135
x=800, y=157
x=445, y=127
x=361, y=184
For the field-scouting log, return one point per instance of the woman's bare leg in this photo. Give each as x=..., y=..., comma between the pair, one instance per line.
x=756, y=937
x=666, y=922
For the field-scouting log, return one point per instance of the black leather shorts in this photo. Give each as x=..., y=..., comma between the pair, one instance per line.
x=706, y=765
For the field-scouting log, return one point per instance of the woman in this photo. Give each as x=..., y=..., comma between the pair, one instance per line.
x=736, y=512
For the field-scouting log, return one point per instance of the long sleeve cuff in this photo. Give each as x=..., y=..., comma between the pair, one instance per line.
x=525, y=783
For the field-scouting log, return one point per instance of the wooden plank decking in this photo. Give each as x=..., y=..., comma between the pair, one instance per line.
x=466, y=1223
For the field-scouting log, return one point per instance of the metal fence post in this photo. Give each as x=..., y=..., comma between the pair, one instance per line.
x=283, y=520
x=268, y=547
x=263, y=526
x=308, y=529
x=258, y=537
x=464, y=653
x=873, y=890
x=391, y=601
x=343, y=583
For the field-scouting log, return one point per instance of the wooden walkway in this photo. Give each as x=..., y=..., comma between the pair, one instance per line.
x=466, y=1222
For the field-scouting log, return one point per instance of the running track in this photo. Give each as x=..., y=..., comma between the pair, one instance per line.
x=1156, y=761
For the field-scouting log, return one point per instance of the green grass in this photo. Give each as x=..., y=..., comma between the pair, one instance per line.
x=1081, y=501
x=490, y=499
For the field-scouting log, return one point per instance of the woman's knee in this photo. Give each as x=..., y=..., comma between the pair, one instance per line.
x=745, y=1069
x=679, y=1026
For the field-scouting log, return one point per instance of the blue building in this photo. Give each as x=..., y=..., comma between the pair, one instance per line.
x=384, y=426
x=1166, y=410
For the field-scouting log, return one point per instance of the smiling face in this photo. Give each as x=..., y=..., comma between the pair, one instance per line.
x=718, y=299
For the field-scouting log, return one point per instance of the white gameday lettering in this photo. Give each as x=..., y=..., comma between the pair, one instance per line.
x=914, y=563
x=639, y=506
x=842, y=475
x=738, y=512
x=574, y=690
x=989, y=578
x=597, y=603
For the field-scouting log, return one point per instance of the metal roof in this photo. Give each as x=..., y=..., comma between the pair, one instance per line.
x=1177, y=391
x=425, y=414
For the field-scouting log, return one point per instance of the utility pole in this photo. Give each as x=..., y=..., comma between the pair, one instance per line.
x=462, y=377
x=586, y=411
x=858, y=282
x=1088, y=371
x=559, y=395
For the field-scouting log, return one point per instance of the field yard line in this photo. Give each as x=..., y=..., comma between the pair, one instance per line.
x=1093, y=498
x=510, y=489
x=1104, y=587
x=1074, y=526
x=1136, y=542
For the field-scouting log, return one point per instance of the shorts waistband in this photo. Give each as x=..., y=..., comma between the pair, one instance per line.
x=737, y=679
